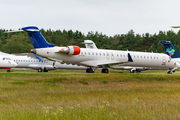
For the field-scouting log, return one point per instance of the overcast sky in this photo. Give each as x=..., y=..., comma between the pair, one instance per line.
x=108, y=17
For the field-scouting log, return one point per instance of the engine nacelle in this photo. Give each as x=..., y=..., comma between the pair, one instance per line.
x=71, y=50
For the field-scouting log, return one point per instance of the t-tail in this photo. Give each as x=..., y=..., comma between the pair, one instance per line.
x=170, y=50
x=36, y=37
x=89, y=44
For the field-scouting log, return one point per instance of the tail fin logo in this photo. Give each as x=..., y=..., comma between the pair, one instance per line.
x=170, y=51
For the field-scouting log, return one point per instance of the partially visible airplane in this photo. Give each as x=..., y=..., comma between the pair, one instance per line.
x=6, y=63
x=31, y=61
x=171, y=51
x=97, y=58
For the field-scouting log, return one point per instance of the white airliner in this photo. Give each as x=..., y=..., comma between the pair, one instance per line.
x=89, y=44
x=97, y=58
x=30, y=61
x=6, y=63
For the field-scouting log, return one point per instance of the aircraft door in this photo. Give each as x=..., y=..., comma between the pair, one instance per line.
x=164, y=60
x=112, y=56
x=107, y=56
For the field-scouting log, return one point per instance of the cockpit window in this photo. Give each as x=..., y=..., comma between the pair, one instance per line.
x=6, y=58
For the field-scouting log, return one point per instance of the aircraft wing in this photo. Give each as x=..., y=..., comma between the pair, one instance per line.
x=175, y=26
x=42, y=57
x=37, y=66
x=52, y=59
x=95, y=63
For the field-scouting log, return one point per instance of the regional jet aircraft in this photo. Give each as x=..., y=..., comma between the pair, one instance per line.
x=97, y=58
x=6, y=63
x=34, y=62
x=89, y=44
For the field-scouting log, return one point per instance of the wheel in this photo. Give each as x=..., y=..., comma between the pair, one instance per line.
x=105, y=70
x=45, y=70
x=39, y=70
x=8, y=70
x=102, y=70
x=132, y=71
x=169, y=72
x=89, y=70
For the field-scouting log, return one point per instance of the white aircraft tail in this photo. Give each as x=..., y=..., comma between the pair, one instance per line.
x=89, y=44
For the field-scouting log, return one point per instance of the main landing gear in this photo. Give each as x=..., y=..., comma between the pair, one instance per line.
x=45, y=70
x=89, y=70
x=105, y=70
x=40, y=70
x=169, y=71
x=131, y=71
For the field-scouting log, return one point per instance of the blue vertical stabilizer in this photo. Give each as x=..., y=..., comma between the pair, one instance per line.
x=170, y=50
x=36, y=37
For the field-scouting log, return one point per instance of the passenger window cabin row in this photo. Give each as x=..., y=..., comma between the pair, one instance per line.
x=30, y=61
x=119, y=55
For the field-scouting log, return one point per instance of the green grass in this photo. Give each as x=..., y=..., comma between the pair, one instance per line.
x=71, y=94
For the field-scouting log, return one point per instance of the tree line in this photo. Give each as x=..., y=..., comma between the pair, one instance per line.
x=19, y=42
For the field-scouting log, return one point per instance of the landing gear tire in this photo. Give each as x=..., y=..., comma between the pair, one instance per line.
x=89, y=70
x=132, y=71
x=39, y=70
x=105, y=70
x=169, y=72
x=8, y=70
x=45, y=70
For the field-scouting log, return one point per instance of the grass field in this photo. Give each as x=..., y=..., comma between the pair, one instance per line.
x=71, y=94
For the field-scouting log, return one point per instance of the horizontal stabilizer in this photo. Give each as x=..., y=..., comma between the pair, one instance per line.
x=175, y=26
x=36, y=37
x=30, y=29
x=14, y=31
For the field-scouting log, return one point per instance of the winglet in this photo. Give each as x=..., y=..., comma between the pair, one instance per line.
x=38, y=58
x=129, y=58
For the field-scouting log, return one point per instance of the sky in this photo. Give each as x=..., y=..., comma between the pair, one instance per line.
x=109, y=17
